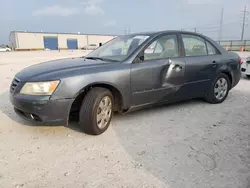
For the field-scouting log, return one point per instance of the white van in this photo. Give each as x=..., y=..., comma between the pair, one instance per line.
x=245, y=67
x=4, y=49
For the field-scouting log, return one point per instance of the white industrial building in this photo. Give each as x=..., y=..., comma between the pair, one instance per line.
x=21, y=40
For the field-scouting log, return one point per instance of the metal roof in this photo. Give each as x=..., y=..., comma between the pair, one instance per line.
x=136, y=33
x=163, y=31
x=37, y=32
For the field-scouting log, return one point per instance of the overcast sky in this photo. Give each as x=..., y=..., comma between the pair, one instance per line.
x=113, y=16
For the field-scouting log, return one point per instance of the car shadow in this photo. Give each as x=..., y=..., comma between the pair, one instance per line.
x=185, y=144
x=192, y=143
x=244, y=77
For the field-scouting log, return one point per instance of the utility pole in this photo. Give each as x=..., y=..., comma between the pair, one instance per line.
x=221, y=23
x=245, y=14
x=195, y=30
x=127, y=31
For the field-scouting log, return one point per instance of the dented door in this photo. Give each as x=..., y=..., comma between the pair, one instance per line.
x=154, y=81
x=160, y=74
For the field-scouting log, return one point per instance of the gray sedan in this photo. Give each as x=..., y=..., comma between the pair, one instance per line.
x=127, y=73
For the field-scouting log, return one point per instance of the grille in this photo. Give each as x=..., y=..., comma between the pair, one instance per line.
x=14, y=84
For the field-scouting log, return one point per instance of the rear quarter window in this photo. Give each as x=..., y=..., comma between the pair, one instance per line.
x=211, y=50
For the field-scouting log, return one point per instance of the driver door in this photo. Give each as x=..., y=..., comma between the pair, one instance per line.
x=160, y=73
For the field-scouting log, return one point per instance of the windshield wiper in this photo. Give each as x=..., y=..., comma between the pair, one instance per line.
x=95, y=58
x=102, y=59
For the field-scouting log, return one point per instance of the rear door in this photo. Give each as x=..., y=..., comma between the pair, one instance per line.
x=202, y=60
x=161, y=72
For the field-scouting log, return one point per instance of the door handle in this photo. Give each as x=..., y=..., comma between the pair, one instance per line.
x=214, y=63
x=177, y=66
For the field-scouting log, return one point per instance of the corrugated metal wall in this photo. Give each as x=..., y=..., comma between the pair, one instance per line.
x=40, y=41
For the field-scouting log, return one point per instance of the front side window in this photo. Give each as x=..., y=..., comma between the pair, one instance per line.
x=194, y=45
x=162, y=48
x=119, y=48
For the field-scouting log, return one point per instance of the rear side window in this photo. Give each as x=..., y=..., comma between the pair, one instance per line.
x=194, y=45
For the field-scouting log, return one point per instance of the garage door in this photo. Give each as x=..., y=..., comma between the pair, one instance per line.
x=50, y=43
x=72, y=44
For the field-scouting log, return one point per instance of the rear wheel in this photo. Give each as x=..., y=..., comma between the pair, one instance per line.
x=219, y=89
x=248, y=75
x=96, y=111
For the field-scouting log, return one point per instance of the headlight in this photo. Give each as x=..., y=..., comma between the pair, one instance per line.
x=39, y=88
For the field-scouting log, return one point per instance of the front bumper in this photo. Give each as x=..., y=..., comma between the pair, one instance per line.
x=42, y=109
x=245, y=68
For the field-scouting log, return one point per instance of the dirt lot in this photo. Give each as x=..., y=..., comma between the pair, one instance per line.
x=185, y=145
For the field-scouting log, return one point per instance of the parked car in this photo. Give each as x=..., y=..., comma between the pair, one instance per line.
x=101, y=83
x=245, y=67
x=5, y=49
x=90, y=47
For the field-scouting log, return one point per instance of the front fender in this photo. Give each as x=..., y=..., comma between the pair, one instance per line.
x=71, y=87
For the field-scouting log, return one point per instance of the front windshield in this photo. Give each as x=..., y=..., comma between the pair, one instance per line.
x=119, y=48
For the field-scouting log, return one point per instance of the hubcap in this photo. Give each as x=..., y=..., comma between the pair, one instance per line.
x=104, y=112
x=220, y=88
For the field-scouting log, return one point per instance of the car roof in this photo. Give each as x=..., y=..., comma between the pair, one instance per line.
x=161, y=32
x=155, y=33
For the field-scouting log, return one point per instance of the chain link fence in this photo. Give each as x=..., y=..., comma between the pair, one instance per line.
x=235, y=45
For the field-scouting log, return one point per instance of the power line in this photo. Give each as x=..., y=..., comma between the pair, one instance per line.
x=217, y=27
x=245, y=14
x=231, y=22
x=200, y=27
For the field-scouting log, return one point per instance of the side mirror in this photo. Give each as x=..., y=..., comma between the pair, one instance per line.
x=139, y=58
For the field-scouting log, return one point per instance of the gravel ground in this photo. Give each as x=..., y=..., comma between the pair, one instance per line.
x=185, y=145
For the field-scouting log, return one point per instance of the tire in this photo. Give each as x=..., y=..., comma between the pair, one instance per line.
x=210, y=96
x=91, y=107
x=248, y=75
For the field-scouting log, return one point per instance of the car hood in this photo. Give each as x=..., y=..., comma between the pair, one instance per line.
x=57, y=66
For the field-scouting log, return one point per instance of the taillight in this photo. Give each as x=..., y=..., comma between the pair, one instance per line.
x=240, y=60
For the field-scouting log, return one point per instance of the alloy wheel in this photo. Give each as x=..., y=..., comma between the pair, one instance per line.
x=220, y=88
x=104, y=112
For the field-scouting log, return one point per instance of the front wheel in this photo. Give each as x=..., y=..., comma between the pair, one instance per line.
x=248, y=75
x=96, y=111
x=219, y=89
